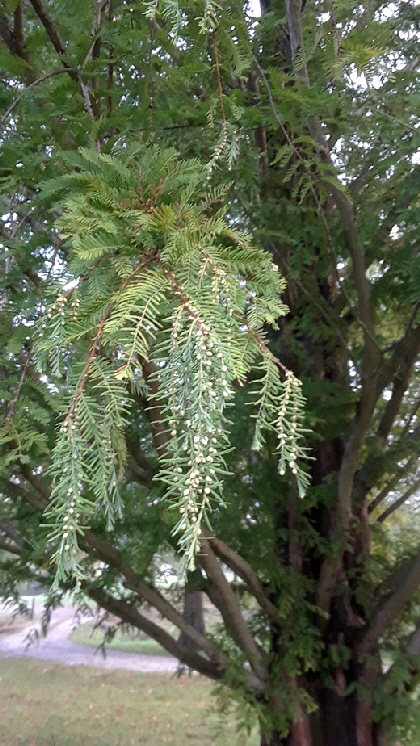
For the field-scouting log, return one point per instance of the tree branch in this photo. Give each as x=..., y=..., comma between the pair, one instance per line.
x=144, y=477
x=129, y=614
x=405, y=585
x=242, y=568
x=134, y=583
x=23, y=92
x=403, y=352
x=7, y=546
x=401, y=368
x=15, y=40
x=9, y=530
x=372, y=355
x=392, y=483
x=19, y=491
x=60, y=48
x=51, y=30
x=397, y=371
x=14, y=400
x=154, y=410
x=413, y=644
x=231, y=611
x=401, y=500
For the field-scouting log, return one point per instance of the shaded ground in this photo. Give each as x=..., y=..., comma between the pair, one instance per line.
x=57, y=647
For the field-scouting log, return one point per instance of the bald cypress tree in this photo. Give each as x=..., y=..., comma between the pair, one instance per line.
x=210, y=340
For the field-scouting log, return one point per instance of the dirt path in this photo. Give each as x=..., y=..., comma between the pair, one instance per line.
x=57, y=647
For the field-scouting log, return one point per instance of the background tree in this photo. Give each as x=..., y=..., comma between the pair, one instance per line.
x=308, y=116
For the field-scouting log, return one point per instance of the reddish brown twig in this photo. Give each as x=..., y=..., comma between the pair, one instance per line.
x=108, y=309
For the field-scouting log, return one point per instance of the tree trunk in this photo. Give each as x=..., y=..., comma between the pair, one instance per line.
x=340, y=720
x=193, y=611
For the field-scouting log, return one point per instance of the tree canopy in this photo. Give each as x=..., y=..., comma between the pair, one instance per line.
x=209, y=304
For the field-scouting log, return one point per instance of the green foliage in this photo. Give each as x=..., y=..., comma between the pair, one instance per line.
x=159, y=277
x=183, y=157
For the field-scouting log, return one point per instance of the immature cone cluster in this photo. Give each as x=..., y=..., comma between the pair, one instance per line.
x=289, y=431
x=70, y=516
x=196, y=421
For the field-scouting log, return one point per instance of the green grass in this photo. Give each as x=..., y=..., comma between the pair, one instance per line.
x=125, y=642
x=43, y=704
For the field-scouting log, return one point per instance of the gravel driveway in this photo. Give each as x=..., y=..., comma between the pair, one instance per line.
x=57, y=647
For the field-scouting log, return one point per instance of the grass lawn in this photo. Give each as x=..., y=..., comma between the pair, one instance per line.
x=126, y=642
x=44, y=704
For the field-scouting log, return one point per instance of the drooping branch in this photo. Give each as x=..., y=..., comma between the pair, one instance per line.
x=131, y=615
x=132, y=581
x=213, y=666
